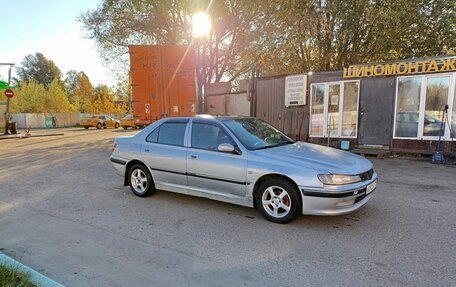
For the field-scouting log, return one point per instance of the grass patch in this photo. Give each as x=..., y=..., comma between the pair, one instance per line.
x=9, y=277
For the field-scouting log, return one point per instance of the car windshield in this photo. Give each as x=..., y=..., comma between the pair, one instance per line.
x=256, y=134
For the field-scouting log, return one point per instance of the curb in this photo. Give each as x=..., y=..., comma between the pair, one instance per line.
x=35, y=277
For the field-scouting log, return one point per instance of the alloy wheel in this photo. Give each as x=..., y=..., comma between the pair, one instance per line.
x=138, y=181
x=276, y=201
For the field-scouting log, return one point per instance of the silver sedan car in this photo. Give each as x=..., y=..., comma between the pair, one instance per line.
x=243, y=161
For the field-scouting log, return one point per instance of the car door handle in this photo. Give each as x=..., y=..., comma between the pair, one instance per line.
x=194, y=156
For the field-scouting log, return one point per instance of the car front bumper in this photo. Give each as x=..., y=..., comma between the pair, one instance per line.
x=336, y=202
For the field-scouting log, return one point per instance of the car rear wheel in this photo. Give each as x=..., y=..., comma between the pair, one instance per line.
x=140, y=181
x=86, y=128
x=278, y=200
x=99, y=126
x=117, y=125
x=125, y=128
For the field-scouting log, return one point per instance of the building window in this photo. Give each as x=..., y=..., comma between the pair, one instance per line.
x=317, y=110
x=408, y=106
x=420, y=105
x=334, y=109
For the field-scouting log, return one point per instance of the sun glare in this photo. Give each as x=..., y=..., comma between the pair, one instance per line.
x=201, y=25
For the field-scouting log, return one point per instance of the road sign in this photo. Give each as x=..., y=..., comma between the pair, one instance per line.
x=9, y=93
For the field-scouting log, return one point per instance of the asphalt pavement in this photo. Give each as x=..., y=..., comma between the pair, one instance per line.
x=65, y=213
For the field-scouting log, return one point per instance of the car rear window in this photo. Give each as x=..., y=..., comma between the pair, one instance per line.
x=168, y=133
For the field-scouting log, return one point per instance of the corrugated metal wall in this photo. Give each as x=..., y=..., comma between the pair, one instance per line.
x=293, y=121
x=235, y=104
x=270, y=104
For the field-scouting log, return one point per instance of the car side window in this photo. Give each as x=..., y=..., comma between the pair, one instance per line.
x=168, y=133
x=208, y=136
x=102, y=117
x=153, y=136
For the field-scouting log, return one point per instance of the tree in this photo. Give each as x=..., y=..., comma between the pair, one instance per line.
x=70, y=82
x=32, y=97
x=38, y=68
x=104, y=102
x=321, y=35
x=279, y=37
x=122, y=95
x=57, y=99
x=229, y=50
x=81, y=92
x=29, y=98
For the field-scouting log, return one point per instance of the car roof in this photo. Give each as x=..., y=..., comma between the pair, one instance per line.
x=205, y=117
x=220, y=117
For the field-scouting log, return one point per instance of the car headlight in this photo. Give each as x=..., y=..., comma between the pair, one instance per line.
x=337, y=179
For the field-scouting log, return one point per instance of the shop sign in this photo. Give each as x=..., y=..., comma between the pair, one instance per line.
x=295, y=90
x=402, y=68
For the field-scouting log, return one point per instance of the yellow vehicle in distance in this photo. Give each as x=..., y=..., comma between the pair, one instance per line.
x=129, y=122
x=99, y=121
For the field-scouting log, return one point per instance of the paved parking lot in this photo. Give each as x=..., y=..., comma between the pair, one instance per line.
x=65, y=213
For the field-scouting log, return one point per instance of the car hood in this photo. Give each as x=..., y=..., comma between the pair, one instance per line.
x=321, y=158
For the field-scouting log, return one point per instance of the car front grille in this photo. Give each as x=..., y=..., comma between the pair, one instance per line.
x=367, y=175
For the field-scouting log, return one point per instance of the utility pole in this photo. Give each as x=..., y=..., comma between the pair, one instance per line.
x=8, y=99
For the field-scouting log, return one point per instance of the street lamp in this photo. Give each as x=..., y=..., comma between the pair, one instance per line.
x=201, y=27
x=8, y=99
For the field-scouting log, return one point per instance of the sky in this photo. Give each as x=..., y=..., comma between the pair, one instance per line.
x=51, y=28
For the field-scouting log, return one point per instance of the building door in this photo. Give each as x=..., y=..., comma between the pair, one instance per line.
x=376, y=111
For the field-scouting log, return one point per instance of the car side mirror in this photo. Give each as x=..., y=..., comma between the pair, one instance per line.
x=226, y=147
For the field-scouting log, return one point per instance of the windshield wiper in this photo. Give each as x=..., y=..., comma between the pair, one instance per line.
x=276, y=145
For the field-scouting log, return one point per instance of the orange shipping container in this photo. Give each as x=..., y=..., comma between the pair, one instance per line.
x=163, y=82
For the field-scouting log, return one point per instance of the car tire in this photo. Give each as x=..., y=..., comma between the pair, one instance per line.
x=140, y=181
x=99, y=126
x=125, y=128
x=86, y=128
x=278, y=200
x=117, y=125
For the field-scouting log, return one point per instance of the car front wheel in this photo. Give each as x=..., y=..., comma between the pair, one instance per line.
x=278, y=200
x=117, y=125
x=141, y=182
x=99, y=126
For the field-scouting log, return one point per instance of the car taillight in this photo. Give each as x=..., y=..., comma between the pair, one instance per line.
x=114, y=145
